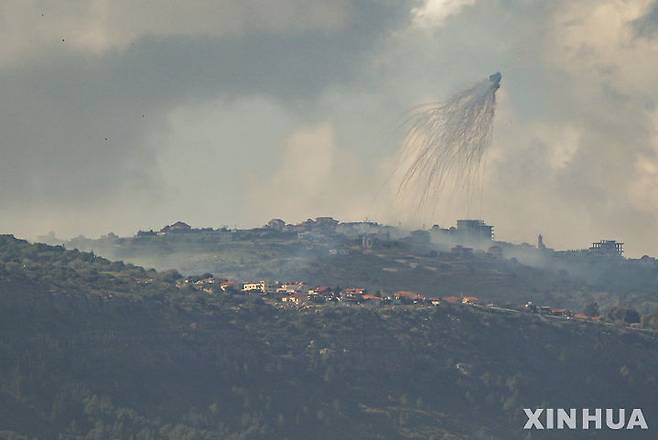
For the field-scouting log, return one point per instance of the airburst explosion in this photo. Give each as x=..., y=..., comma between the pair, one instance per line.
x=443, y=150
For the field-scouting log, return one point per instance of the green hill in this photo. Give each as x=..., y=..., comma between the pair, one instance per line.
x=94, y=349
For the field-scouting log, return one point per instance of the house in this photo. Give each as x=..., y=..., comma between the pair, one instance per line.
x=227, y=285
x=177, y=227
x=354, y=291
x=292, y=299
x=565, y=313
x=352, y=294
x=586, y=317
x=291, y=287
x=408, y=297
x=207, y=285
x=471, y=230
x=373, y=298
x=530, y=307
x=205, y=280
x=322, y=290
x=470, y=300
x=145, y=234
x=326, y=222
x=607, y=248
x=256, y=287
x=276, y=224
x=327, y=293
x=185, y=282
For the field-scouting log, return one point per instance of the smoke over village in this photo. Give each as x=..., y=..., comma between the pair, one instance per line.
x=328, y=219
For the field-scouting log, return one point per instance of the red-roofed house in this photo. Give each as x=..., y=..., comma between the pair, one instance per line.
x=321, y=290
x=354, y=291
x=408, y=296
x=561, y=312
x=291, y=287
x=368, y=297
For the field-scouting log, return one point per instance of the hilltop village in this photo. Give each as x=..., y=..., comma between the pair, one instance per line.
x=468, y=237
x=366, y=263
x=298, y=294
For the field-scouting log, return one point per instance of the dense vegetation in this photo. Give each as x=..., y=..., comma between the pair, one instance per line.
x=93, y=349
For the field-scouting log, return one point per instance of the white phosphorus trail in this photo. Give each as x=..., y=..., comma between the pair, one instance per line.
x=443, y=150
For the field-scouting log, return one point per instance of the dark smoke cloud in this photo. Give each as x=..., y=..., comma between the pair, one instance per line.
x=647, y=25
x=235, y=104
x=78, y=127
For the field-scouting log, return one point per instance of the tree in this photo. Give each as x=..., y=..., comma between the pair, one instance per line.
x=650, y=321
x=626, y=315
x=592, y=309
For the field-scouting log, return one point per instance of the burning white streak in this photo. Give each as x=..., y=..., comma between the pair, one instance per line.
x=443, y=151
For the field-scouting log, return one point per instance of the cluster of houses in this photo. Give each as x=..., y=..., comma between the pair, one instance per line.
x=298, y=292
x=557, y=312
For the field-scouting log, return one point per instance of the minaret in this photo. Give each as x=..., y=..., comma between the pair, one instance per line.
x=540, y=242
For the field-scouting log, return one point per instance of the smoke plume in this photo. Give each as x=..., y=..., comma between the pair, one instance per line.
x=443, y=151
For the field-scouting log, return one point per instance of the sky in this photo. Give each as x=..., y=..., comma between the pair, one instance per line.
x=118, y=115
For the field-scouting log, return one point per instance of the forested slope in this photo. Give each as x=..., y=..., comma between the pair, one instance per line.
x=100, y=350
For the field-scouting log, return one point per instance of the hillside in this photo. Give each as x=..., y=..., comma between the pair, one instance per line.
x=94, y=349
x=392, y=263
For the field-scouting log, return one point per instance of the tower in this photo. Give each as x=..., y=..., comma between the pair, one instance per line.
x=540, y=242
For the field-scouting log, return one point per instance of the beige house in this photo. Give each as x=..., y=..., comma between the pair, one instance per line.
x=256, y=287
x=294, y=299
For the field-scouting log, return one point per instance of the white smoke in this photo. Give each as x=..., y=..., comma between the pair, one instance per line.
x=434, y=13
x=442, y=152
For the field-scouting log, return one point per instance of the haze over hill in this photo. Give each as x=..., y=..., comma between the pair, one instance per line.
x=502, y=261
x=100, y=349
x=437, y=262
